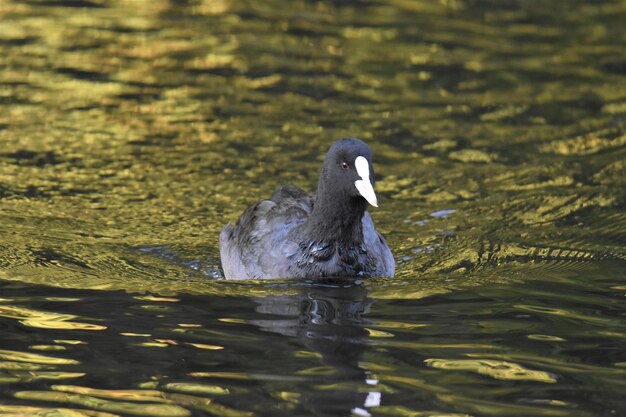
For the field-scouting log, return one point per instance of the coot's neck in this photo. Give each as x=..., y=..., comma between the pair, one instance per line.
x=336, y=217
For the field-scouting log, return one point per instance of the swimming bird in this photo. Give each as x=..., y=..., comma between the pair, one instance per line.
x=294, y=234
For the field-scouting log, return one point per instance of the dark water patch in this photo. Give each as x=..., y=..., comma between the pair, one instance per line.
x=154, y=140
x=23, y=41
x=70, y=3
x=4, y=192
x=616, y=66
x=32, y=191
x=81, y=74
x=34, y=158
x=50, y=256
x=142, y=97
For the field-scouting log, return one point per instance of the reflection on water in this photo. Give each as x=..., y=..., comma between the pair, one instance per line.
x=323, y=349
x=131, y=131
x=327, y=319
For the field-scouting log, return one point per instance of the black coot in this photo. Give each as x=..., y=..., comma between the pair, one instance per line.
x=299, y=235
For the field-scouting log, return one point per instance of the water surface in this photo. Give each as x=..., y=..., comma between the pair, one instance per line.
x=132, y=131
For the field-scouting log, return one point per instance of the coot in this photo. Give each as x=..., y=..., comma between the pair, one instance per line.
x=299, y=235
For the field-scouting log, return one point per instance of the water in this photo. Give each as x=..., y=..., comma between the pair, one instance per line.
x=132, y=131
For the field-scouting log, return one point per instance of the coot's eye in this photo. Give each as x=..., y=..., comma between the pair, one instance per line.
x=344, y=165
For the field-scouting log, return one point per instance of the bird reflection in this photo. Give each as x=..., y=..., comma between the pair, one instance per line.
x=328, y=318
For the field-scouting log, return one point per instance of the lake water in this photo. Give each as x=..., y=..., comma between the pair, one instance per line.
x=132, y=131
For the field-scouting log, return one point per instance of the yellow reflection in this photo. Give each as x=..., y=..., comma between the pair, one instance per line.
x=472, y=155
x=487, y=407
x=378, y=333
x=563, y=366
x=65, y=325
x=505, y=112
x=306, y=354
x=212, y=7
x=583, y=145
x=205, y=346
x=412, y=383
x=159, y=299
x=407, y=412
x=546, y=338
x=48, y=375
x=69, y=342
x=49, y=348
x=127, y=395
x=23, y=411
x=201, y=389
x=291, y=397
x=12, y=355
x=232, y=320
x=154, y=344
x=212, y=61
x=261, y=82
x=615, y=108
x=493, y=368
x=385, y=324
x=46, y=320
x=318, y=370
x=229, y=375
x=355, y=386
x=206, y=404
x=20, y=366
x=154, y=410
x=168, y=341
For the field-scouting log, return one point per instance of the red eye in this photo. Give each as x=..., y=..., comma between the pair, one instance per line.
x=344, y=165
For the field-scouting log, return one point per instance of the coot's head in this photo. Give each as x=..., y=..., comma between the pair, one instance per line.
x=348, y=171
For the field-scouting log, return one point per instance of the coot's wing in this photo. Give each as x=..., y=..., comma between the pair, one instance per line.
x=377, y=247
x=257, y=245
